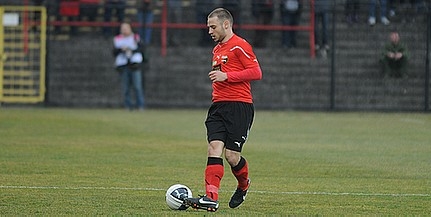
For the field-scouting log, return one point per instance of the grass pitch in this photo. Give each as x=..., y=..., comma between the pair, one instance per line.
x=114, y=162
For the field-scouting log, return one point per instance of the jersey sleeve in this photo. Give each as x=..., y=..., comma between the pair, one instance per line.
x=251, y=71
x=249, y=74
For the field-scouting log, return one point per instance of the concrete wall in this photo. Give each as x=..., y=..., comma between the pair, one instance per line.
x=81, y=72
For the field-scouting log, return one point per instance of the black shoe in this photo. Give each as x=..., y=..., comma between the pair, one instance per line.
x=202, y=202
x=238, y=197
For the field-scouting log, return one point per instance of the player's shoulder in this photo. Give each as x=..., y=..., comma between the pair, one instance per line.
x=240, y=43
x=235, y=40
x=240, y=40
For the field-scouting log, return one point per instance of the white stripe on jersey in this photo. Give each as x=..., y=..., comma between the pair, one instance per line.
x=242, y=50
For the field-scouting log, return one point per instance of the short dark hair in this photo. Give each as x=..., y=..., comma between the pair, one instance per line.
x=222, y=14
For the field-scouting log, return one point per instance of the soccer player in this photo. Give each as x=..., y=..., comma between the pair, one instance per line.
x=229, y=119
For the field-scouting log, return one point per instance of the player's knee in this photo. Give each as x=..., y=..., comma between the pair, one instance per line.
x=215, y=149
x=232, y=157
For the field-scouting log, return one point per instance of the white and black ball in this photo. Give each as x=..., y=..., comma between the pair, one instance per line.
x=175, y=196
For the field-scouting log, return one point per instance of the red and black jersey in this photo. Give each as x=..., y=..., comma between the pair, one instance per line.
x=237, y=59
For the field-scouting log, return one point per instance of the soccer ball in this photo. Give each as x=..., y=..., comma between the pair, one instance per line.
x=175, y=196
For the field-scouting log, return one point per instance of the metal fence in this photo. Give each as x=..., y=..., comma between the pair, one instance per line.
x=22, y=54
x=352, y=69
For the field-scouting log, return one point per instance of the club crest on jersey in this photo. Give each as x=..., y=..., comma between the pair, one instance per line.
x=224, y=59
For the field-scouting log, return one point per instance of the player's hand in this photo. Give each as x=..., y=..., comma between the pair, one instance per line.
x=217, y=76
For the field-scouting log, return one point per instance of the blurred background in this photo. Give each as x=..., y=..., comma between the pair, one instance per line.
x=59, y=53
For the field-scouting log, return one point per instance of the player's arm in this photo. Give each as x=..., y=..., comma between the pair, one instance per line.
x=248, y=74
x=248, y=59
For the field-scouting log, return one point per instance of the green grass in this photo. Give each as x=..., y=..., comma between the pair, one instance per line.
x=114, y=162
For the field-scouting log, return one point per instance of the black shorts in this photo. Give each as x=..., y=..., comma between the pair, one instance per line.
x=230, y=122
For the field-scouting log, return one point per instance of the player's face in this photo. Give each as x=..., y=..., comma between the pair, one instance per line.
x=215, y=29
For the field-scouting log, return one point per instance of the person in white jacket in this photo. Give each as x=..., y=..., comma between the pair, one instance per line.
x=128, y=60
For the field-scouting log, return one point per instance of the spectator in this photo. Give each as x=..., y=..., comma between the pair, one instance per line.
x=175, y=14
x=352, y=8
x=290, y=11
x=69, y=9
x=401, y=6
x=393, y=4
x=203, y=8
x=419, y=7
x=119, y=7
x=394, y=57
x=145, y=18
x=128, y=60
x=409, y=8
x=263, y=11
x=88, y=8
x=321, y=10
x=372, y=12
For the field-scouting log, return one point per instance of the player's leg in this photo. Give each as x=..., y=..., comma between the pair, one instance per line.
x=240, y=171
x=241, y=121
x=239, y=167
x=214, y=170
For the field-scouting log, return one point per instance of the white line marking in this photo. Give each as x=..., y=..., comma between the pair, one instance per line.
x=81, y=188
x=259, y=192
x=345, y=194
